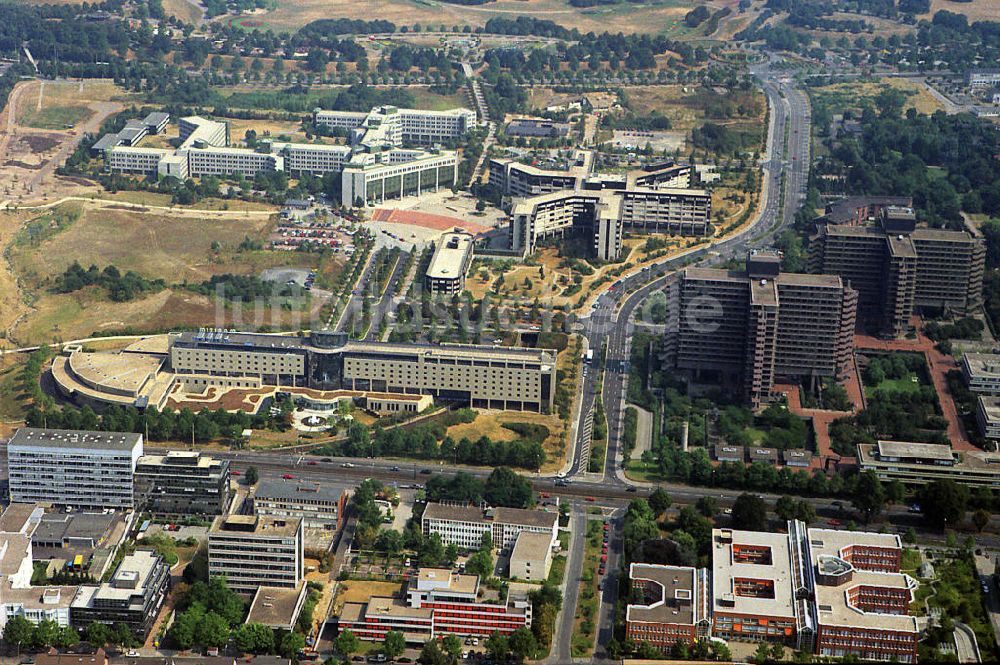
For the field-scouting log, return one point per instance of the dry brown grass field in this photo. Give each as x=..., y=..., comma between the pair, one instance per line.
x=652, y=17
x=172, y=248
x=977, y=10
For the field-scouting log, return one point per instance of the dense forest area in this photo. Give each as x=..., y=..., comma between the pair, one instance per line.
x=946, y=162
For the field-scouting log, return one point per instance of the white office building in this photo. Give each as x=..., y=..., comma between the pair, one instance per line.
x=254, y=551
x=396, y=125
x=464, y=526
x=72, y=468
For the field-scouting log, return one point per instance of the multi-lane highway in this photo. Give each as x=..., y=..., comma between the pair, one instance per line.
x=611, y=320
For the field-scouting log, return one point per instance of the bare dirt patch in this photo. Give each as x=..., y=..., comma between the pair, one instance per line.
x=40, y=143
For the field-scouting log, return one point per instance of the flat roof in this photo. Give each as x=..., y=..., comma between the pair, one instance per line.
x=982, y=364
x=235, y=340
x=83, y=526
x=901, y=245
x=450, y=256
x=526, y=517
x=276, y=607
x=291, y=490
x=16, y=546
x=74, y=439
x=17, y=515
x=725, y=570
x=516, y=516
x=968, y=462
x=673, y=598
x=911, y=449
x=255, y=525
x=531, y=546
x=990, y=406
x=123, y=371
x=833, y=604
x=455, y=582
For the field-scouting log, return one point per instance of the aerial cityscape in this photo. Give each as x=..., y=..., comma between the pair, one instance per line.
x=499, y=331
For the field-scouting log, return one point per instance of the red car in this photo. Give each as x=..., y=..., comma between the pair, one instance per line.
x=287, y=476
x=604, y=559
x=236, y=473
x=589, y=498
x=312, y=462
x=604, y=549
x=544, y=495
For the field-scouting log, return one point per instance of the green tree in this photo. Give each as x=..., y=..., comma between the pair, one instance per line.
x=98, y=634
x=452, y=645
x=182, y=631
x=763, y=653
x=254, y=638
x=292, y=644
x=394, y=644
x=213, y=631
x=869, y=496
x=980, y=519
x=68, y=637
x=46, y=634
x=346, y=643
x=504, y=487
x=497, y=646
x=252, y=475
x=18, y=631
x=432, y=654
x=707, y=506
x=943, y=503
x=785, y=508
x=522, y=643
x=660, y=500
x=750, y=512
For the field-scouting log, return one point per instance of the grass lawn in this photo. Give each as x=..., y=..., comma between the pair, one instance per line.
x=425, y=99
x=911, y=560
x=55, y=117
x=907, y=385
x=641, y=472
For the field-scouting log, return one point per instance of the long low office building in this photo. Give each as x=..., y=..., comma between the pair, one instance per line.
x=370, y=178
x=918, y=463
x=439, y=602
x=464, y=526
x=478, y=376
x=982, y=373
x=403, y=124
x=321, y=370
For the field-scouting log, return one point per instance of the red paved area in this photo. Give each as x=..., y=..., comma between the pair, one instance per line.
x=939, y=365
x=426, y=220
x=821, y=419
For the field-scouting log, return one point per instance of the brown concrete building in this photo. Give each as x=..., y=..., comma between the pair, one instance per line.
x=897, y=267
x=754, y=325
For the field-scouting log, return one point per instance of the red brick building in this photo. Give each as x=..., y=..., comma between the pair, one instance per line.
x=672, y=605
